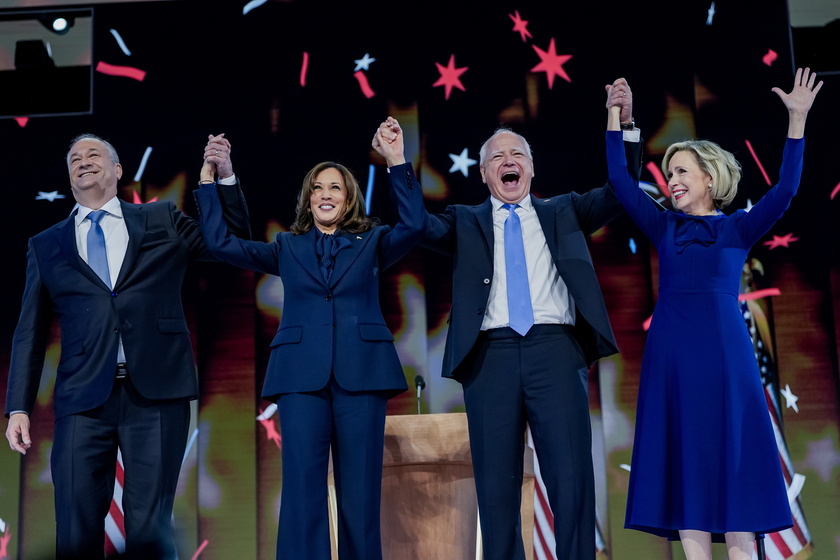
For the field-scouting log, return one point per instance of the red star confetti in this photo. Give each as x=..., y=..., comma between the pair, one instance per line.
x=520, y=25
x=135, y=198
x=781, y=241
x=551, y=63
x=22, y=121
x=124, y=71
x=450, y=76
x=770, y=57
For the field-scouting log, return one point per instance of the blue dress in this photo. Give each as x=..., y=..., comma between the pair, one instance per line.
x=704, y=455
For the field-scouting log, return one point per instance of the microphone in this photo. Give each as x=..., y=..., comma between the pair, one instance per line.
x=420, y=384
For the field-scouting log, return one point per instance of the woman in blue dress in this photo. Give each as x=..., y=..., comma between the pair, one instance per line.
x=705, y=463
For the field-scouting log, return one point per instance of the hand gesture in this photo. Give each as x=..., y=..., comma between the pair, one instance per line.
x=217, y=153
x=17, y=432
x=388, y=142
x=798, y=102
x=619, y=95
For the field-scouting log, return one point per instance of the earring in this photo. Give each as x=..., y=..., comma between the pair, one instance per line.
x=710, y=186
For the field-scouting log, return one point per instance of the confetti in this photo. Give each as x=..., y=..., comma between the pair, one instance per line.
x=22, y=121
x=450, y=76
x=204, y=544
x=520, y=25
x=363, y=63
x=659, y=178
x=51, y=196
x=461, y=162
x=143, y=162
x=835, y=191
x=363, y=83
x=303, y=68
x=758, y=294
x=781, y=241
x=770, y=57
x=124, y=71
x=551, y=63
x=760, y=167
x=120, y=42
x=251, y=5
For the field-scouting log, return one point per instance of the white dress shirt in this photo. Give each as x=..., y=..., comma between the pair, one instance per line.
x=116, y=241
x=550, y=298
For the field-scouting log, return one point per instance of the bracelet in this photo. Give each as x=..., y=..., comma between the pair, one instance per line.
x=206, y=182
x=628, y=126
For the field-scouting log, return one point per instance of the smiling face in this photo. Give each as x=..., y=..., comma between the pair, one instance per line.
x=93, y=173
x=507, y=168
x=327, y=199
x=689, y=185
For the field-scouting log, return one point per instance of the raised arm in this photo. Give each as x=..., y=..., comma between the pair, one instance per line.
x=798, y=102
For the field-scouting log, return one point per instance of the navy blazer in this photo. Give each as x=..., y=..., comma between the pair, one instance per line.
x=466, y=233
x=336, y=328
x=144, y=308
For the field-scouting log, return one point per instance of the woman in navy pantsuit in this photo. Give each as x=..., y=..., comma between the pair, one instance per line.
x=333, y=364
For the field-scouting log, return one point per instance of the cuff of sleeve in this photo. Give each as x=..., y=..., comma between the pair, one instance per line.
x=634, y=135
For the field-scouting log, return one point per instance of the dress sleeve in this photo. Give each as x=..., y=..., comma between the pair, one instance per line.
x=638, y=205
x=754, y=224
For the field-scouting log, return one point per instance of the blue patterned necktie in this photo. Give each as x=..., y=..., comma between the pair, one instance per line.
x=518, y=290
x=97, y=255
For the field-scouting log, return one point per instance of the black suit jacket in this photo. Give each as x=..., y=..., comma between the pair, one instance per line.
x=144, y=308
x=466, y=233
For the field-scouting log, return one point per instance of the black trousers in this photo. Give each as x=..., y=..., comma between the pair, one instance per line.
x=539, y=379
x=152, y=438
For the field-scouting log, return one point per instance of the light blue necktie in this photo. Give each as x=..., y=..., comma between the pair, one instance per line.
x=96, y=253
x=518, y=290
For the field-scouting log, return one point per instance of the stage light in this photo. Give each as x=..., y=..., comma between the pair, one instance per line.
x=57, y=23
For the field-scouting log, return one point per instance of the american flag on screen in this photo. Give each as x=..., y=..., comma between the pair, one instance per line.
x=114, y=522
x=796, y=541
x=544, y=544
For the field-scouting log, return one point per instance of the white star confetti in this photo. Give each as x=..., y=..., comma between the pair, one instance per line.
x=461, y=162
x=364, y=63
x=790, y=398
x=51, y=196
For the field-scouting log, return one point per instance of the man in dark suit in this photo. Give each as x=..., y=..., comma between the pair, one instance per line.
x=126, y=372
x=535, y=373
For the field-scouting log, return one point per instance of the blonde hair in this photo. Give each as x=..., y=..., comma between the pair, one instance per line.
x=354, y=219
x=716, y=162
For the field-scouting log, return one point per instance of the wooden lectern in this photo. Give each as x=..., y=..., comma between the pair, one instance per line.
x=429, y=506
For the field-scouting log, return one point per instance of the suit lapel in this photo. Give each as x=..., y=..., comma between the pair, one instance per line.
x=547, y=217
x=135, y=222
x=348, y=255
x=302, y=248
x=67, y=241
x=484, y=216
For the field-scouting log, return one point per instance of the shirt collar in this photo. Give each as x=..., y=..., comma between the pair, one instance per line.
x=525, y=203
x=113, y=207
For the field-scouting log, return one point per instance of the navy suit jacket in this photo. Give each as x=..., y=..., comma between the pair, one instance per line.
x=327, y=328
x=466, y=233
x=144, y=308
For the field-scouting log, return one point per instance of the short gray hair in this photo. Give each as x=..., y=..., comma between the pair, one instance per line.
x=86, y=136
x=482, y=153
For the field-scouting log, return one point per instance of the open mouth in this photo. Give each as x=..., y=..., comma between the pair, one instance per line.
x=510, y=177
